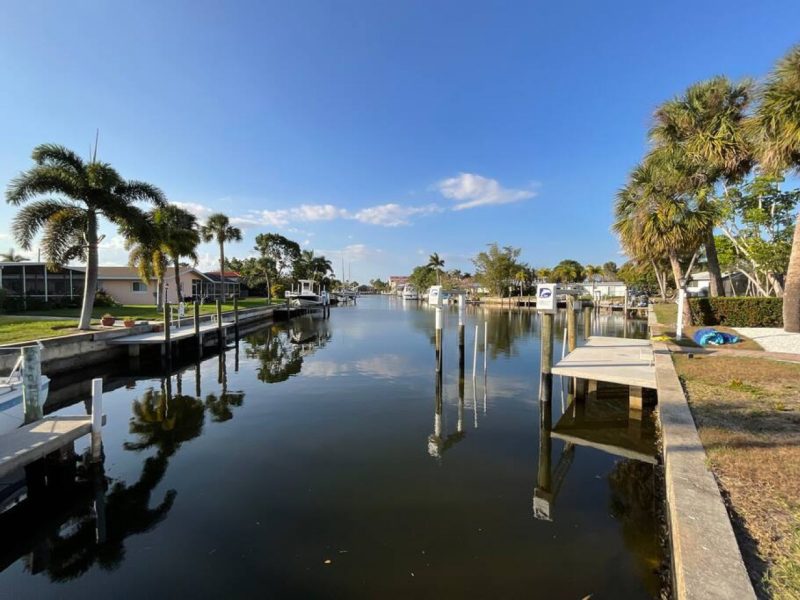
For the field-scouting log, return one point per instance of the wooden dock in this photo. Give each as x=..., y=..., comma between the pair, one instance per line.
x=176, y=334
x=613, y=360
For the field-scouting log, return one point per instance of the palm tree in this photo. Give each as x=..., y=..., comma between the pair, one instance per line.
x=219, y=228
x=147, y=253
x=180, y=237
x=84, y=191
x=706, y=126
x=521, y=277
x=11, y=256
x=321, y=266
x=593, y=272
x=545, y=274
x=776, y=131
x=437, y=264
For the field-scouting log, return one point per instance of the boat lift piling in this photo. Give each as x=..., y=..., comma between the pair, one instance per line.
x=220, y=330
x=166, y=349
x=31, y=382
x=197, y=335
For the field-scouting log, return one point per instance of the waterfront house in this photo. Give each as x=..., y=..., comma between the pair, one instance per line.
x=126, y=287
x=396, y=283
x=27, y=279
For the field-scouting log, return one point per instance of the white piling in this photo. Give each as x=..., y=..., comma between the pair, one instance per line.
x=97, y=420
x=485, y=345
x=475, y=354
x=31, y=382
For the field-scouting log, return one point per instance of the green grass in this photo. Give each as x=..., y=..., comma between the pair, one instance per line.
x=141, y=312
x=666, y=314
x=20, y=329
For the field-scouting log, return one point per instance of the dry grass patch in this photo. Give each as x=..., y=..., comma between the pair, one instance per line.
x=748, y=414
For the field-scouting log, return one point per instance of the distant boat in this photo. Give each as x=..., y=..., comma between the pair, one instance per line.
x=11, y=409
x=410, y=292
x=305, y=296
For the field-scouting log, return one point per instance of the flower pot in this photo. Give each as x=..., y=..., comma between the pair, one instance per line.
x=107, y=321
x=129, y=323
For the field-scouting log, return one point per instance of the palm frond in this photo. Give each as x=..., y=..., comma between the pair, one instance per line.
x=32, y=218
x=60, y=156
x=41, y=180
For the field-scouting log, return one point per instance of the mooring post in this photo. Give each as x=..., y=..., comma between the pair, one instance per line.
x=546, y=358
x=236, y=316
x=572, y=334
x=587, y=322
x=197, y=336
x=97, y=420
x=461, y=327
x=31, y=382
x=438, y=339
x=167, y=332
x=220, y=330
x=485, y=346
x=475, y=355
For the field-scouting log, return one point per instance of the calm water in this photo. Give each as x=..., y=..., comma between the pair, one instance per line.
x=318, y=459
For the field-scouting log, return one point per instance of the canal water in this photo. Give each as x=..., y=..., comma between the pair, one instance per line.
x=319, y=458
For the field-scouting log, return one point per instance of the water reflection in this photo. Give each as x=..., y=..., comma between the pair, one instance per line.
x=280, y=351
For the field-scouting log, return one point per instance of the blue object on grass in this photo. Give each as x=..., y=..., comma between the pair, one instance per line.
x=710, y=336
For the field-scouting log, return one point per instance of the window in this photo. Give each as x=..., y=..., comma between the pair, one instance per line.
x=139, y=286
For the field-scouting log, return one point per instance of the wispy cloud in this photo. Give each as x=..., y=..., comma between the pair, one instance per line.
x=200, y=211
x=470, y=190
x=393, y=215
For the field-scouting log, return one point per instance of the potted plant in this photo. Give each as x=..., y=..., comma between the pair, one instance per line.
x=129, y=322
x=107, y=320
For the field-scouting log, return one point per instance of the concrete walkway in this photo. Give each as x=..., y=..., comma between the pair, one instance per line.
x=772, y=339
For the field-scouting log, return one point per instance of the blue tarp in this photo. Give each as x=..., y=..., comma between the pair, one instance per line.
x=710, y=336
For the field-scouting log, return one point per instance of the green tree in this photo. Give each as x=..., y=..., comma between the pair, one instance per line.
x=279, y=256
x=775, y=128
x=179, y=236
x=437, y=264
x=218, y=228
x=147, y=253
x=422, y=277
x=610, y=270
x=78, y=193
x=706, y=126
x=568, y=271
x=496, y=267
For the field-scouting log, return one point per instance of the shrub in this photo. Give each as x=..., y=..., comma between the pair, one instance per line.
x=738, y=312
x=104, y=299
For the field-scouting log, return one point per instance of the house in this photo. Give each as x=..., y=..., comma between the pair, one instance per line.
x=33, y=280
x=396, y=282
x=126, y=287
x=734, y=284
x=231, y=279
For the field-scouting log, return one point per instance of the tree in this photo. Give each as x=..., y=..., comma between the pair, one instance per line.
x=422, y=277
x=179, y=238
x=79, y=193
x=11, y=256
x=437, y=264
x=379, y=285
x=495, y=268
x=775, y=128
x=280, y=255
x=521, y=277
x=147, y=253
x=568, y=271
x=610, y=270
x=218, y=228
x=706, y=126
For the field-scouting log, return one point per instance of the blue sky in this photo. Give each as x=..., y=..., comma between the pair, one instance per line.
x=378, y=131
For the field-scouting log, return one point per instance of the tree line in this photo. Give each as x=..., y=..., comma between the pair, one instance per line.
x=718, y=155
x=63, y=197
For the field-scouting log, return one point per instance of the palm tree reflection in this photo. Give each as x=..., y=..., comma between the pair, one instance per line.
x=280, y=351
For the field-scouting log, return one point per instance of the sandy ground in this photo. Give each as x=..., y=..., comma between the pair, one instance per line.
x=772, y=339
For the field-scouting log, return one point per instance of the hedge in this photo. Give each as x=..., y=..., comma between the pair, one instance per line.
x=738, y=312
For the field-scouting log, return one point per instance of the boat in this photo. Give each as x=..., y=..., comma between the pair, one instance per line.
x=305, y=296
x=410, y=292
x=11, y=406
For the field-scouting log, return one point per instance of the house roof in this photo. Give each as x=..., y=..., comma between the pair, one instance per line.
x=131, y=274
x=230, y=276
x=33, y=263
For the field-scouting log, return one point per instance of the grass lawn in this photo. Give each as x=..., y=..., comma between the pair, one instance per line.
x=748, y=414
x=18, y=329
x=667, y=315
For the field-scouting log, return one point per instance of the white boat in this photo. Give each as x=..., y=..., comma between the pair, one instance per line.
x=410, y=292
x=305, y=296
x=11, y=408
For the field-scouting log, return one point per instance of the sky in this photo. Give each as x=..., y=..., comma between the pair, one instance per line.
x=372, y=132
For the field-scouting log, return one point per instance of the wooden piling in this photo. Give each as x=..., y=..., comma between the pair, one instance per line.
x=236, y=316
x=197, y=335
x=97, y=420
x=547, y=344
x=167, y=332
x=438, y=339
x=587, y=322
x=31, y=382
x=220, y=330
x=572, y=334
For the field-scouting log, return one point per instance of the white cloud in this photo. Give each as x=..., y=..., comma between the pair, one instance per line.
x=393, y=215
x=201, y=211
x=470, y=190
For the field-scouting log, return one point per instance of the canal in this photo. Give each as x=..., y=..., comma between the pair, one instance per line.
x=317, y=458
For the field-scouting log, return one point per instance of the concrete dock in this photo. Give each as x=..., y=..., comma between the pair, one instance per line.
x=159, y=337
x=613, y=360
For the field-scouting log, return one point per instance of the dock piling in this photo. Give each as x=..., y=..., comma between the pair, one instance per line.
x=31, y=382
x=197, y=335
x=475, y=355
x=167, y=332
x=236, y=316
x=572, y=334
x=438, y=339
x=220, y=330
x=587, y=322
x=546, y=359
x=97, y=420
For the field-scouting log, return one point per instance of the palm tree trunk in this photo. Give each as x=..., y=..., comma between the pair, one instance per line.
x=160, y=286
x=716, y=287
x=222, y=271
x=791, y=288
x=178, y=290
x=677, y=272
x=90, y=280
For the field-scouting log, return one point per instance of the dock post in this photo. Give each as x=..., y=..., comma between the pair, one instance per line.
x=587, y=322
x=97, y=420
x=220, y=330
x=197, y=337
x=572, y=334
x=546, y=358
x=167, y=332
x=236, y=316
x=31, y=382
x=485, y=346
x=438, y=339
x=461, y=333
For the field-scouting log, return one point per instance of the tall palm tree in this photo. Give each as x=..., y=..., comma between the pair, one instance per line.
x=78, y=193
x=776, y=131
x=219, y=228
x=521, y=277
x=180, y=237
x=11, y=256
x=657, y=210
x=706, y=126
x=593, y=272
x=437, y=264
x=321, y=266
x=147, y=253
